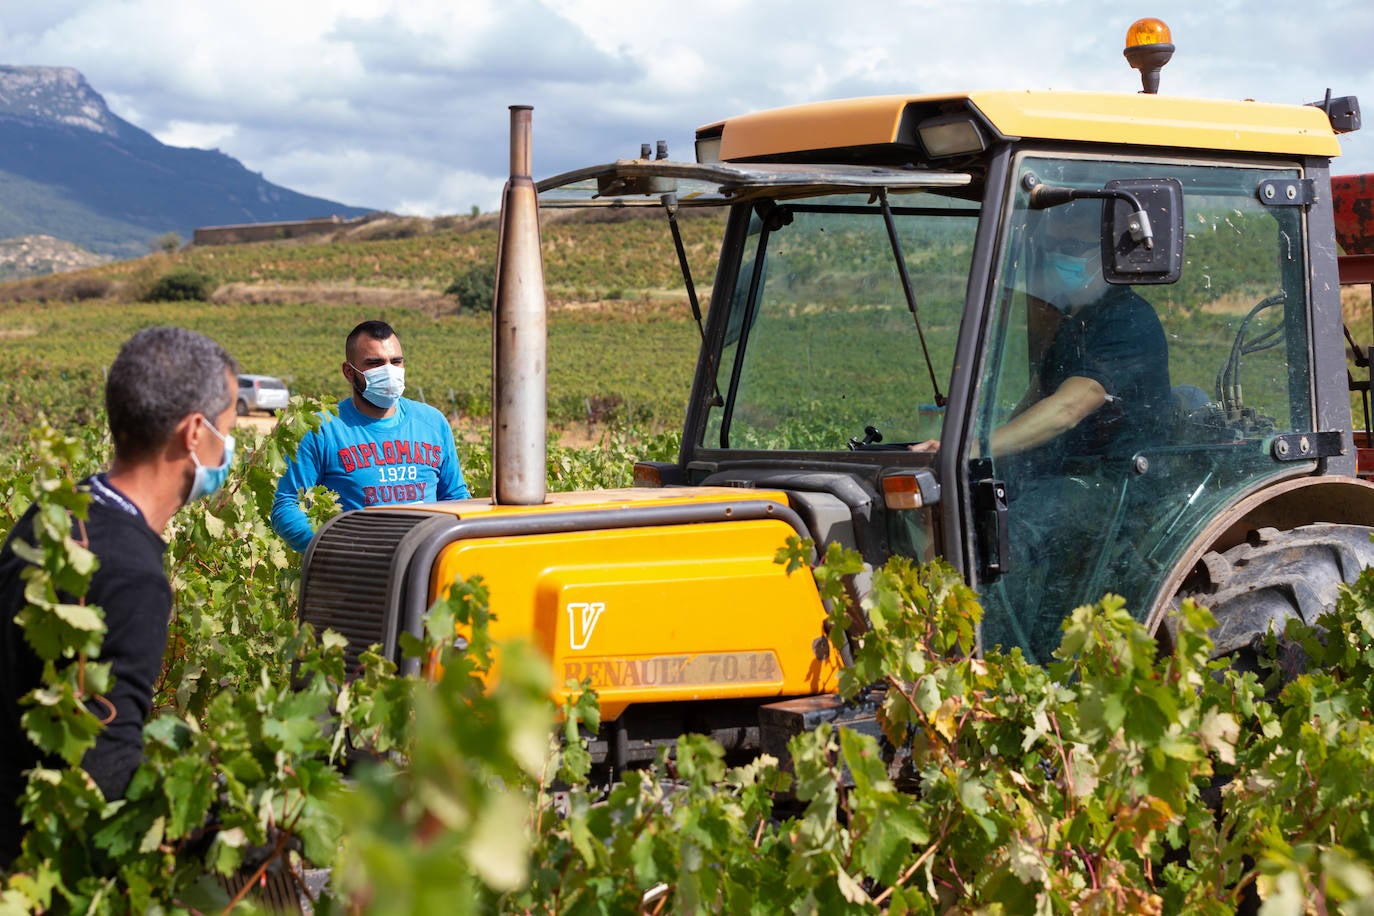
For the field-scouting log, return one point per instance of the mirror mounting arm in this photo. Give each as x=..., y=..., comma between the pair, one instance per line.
x=1043, y=196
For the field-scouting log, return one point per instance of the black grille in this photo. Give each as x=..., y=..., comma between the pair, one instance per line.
x=354, y=578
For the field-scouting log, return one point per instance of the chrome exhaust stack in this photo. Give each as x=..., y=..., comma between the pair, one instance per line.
x=519, y=335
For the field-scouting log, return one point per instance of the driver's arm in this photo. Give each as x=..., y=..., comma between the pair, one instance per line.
x=1074, y=399
x=1071, y=403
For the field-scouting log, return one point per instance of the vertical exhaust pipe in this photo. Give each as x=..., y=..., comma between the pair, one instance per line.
x=519, y=335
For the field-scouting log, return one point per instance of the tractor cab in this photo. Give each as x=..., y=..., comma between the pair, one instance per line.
x=1053, y=338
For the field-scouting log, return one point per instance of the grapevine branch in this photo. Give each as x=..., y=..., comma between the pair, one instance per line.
x=945, y=829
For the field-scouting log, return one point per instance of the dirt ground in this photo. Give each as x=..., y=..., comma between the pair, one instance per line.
x=262, y=422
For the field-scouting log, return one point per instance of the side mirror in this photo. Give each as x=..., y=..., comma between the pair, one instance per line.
x=1125, y=260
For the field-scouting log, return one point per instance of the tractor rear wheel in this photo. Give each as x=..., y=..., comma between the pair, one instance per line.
x=1274, y=577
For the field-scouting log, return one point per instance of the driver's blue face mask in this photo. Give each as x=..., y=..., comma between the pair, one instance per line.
x=1072, y=270
x=1072, y=273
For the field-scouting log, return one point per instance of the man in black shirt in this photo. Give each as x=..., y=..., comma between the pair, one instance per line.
x=170, y=397
x=1099, y=390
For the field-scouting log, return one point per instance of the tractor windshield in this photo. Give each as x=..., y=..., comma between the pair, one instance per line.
x=822, y=345
x=844, y=302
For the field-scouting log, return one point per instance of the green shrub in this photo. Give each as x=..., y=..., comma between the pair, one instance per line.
x=475, y=288
x=181, y=285
x=89, y=287
x=167, y=242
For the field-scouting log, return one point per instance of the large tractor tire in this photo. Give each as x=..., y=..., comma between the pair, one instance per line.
x=1274, y=577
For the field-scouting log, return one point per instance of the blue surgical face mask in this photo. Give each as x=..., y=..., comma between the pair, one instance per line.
x=1072, y=271
x=385, y=384
x=209, y=480
x=1073, y=280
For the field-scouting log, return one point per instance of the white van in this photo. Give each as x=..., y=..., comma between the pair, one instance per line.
x=261, y=392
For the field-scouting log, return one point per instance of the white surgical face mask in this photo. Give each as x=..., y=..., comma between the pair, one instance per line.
x=208, y=481
x=385, y=384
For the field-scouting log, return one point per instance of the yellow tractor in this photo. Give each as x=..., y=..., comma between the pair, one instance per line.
x=1070, y=342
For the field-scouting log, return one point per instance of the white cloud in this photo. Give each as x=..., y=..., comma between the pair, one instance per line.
x=402, y=104
x=196, y=134
x=457, y=192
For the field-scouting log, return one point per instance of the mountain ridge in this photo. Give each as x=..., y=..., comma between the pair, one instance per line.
x=72, y=169
x=56, y=94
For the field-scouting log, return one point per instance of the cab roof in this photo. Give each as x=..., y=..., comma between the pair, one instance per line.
x=1091, y=117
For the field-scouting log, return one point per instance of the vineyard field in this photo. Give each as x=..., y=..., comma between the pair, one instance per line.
x=1112, y=779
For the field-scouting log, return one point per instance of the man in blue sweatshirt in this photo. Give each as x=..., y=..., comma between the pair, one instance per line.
x=382, y=449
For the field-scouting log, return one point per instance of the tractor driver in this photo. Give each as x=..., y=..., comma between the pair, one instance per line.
x=1099, y=389
x=1102, y=384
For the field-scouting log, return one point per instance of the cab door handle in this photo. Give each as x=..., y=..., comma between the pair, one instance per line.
x=990, y=525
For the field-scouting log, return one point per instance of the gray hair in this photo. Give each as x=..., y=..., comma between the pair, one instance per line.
x=161, y=376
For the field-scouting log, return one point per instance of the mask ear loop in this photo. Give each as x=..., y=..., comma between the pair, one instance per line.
x=223, y=438
x=359, y=383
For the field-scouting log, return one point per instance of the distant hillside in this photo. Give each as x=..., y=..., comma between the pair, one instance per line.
x=614, y=258
x=71, y=169
x=36, y=255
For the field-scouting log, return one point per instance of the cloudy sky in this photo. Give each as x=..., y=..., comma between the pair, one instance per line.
x=403, y=104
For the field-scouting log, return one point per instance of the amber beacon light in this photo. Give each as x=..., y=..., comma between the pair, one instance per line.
x=1148, y=48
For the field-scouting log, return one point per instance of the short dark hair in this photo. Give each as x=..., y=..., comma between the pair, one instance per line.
x=160, y=376
x=377, y=330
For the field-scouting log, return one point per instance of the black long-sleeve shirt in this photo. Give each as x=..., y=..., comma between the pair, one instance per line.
x=131, y=587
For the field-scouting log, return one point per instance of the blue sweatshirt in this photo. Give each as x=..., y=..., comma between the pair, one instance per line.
x=407, y=457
